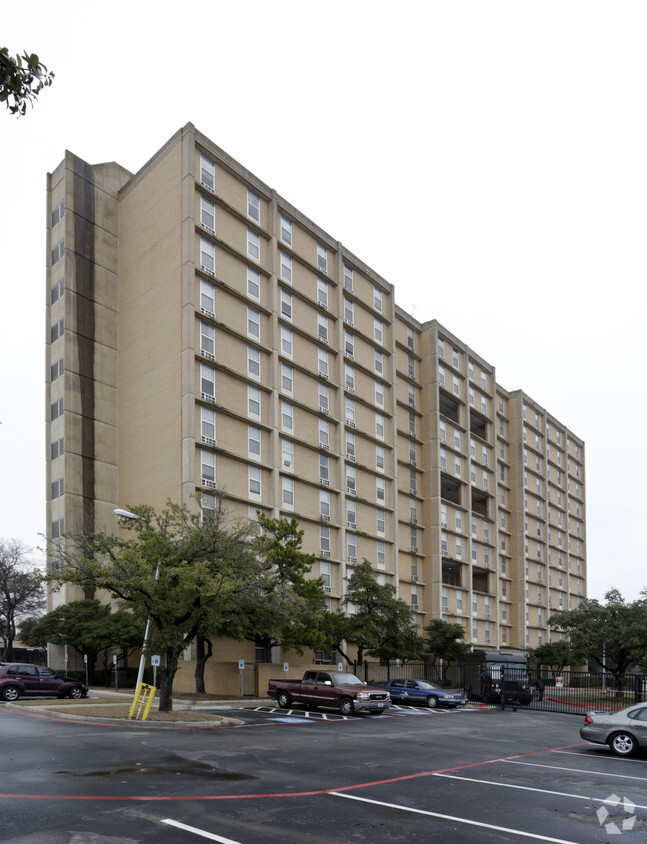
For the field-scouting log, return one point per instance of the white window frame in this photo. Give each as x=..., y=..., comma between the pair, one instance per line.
x=254, y=245
x=253, y=206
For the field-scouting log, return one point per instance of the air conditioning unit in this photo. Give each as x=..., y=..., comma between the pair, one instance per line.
x=323, y=339
x=207, y=313
x=207, y=228
x=350, y=423
x=351, y=457
x=322, y=270
x=287, y=462
x=352, y=559
x=348, y=321
x=325, y=517
x=350, y=490
x=324, y=410
x=414, y=549
x=325, y=553
x=350, y=389
x=412, y=462
x=413, y=490
x=323, y=305
x=207, y=397
x=207, y=270
x=414, y=605
x=324, y=481
x=325, y=446
x=208, y=483
x=350, y=355
x=327, y=590
x=352, y=525
x=207, y=355
x=414, y=578
x=208, y=440
x=414, y=521
x=442, y=524
x=208, y=187
x=323, y=375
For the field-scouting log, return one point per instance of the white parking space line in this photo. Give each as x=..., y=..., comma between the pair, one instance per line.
x=573, y=770
x=604, y=756
x=455, y=819
x=203, y=833
x=528, y=788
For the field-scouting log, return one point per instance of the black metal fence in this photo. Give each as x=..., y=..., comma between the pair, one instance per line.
x=33, y=656
x=574, y=692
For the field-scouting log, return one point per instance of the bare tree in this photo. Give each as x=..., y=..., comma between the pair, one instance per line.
x=21, y=590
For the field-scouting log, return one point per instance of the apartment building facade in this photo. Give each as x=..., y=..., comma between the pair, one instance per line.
x=203, y=334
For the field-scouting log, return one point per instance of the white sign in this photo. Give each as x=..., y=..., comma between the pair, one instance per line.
x=155, y=660
x=340, y=666
x=114, y=659
x=85, y=658
x=286, y=667
x=241, y=664
x=559, y=682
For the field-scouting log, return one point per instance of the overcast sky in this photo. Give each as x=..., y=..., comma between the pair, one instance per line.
x=490, y=153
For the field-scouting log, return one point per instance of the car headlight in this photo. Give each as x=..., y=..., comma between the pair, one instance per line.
x=363, y=696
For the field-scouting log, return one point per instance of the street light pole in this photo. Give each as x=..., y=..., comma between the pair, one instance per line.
x=122, y=516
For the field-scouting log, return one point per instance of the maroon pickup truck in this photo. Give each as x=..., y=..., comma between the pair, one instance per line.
x=344, y=691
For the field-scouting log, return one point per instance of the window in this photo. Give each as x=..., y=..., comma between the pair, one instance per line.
x=324, y=540
x=253, y=362
x=413, y=482
x=253, y=245
x=379, y=457
x=253, y=401
x=287, y=453
x=349, y=343
x=381, y=555
x=378, y=330
x=56, y=409
x=351, y=480
x=379, y=393
x=324, y=469
x=56, y=370
x=207, y=172
x=411, y=394
x=287, y=378
x=208, y=214
x=411, y=366
x=287, y=485
x=351, y=547
x=456, y=385
x=443, y=458
x=57, y=330
x=379, y=362
x=322, y=292
x=58, y=212
x=457, y=438
x=208, y=468
x=254, y=441
x=322, y=356
x=58, y=527
x=348, y=278
x=58, y=488
x=322, y=258
x=207, y=298
x=253, y=206
x=286, y=267
x=208, y=425
x=57, y=449
x=349, y=310
x=441, y=375
x=286, y=304
x=324, y=433
x=58, y=251
x=380, y=489
x=349, y=377
x=411, y=339
x=350, y=445
x=455, y=357
x=351, y=513
x=286, y=341
x=324, y=398
x=253, y=322
x=412, y=423
x=207, y=382
x=254, y=481
x=207, y=256
x=379, y=426
x=286, y=230
x=253, y=283
x=377, y=299
x=350, y=412
x=441, y=348
x=287, y=416
x=57, y=291
x=322, y=328
x=324, y=504
x=381, y=521
x=207, y=340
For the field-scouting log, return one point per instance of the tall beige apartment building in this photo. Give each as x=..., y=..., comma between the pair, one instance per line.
x=203, y=333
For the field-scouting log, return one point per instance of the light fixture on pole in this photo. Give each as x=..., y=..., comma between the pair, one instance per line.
x=123, y=516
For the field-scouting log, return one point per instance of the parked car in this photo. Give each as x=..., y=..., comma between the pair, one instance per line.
x=625, y=731
x=421, y=691
x=344, y=691
x=23, y=680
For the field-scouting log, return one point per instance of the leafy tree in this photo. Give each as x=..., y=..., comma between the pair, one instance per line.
x=557, y=655
x=22, y=78
x=21, y=590
x=382, y=625
x=611, y=636
x=205, y=566
x=90, y=627
x=444, y=641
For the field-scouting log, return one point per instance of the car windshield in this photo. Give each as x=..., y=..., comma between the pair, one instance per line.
x=348, y=680
x=425, y=685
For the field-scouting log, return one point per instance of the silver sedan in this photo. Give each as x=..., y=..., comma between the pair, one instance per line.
x=625, y=731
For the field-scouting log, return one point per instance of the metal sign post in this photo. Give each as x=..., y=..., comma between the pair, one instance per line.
x=286, y=668
x=241, y=668
x=114, y=668
x=85, y=660
x=155, y=661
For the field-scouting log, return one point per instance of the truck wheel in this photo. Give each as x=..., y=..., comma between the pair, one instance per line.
x=283, y=700
x=346, y=706
x=432, y=702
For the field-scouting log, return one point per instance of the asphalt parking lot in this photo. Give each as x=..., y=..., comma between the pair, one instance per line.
x=284, y=776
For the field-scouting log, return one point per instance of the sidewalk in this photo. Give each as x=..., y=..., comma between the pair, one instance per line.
x=110, y=705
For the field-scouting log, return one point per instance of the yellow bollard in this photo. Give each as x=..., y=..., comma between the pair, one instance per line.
x=140, y=708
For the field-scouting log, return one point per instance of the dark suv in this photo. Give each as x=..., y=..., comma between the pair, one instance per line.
x=19, y=679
